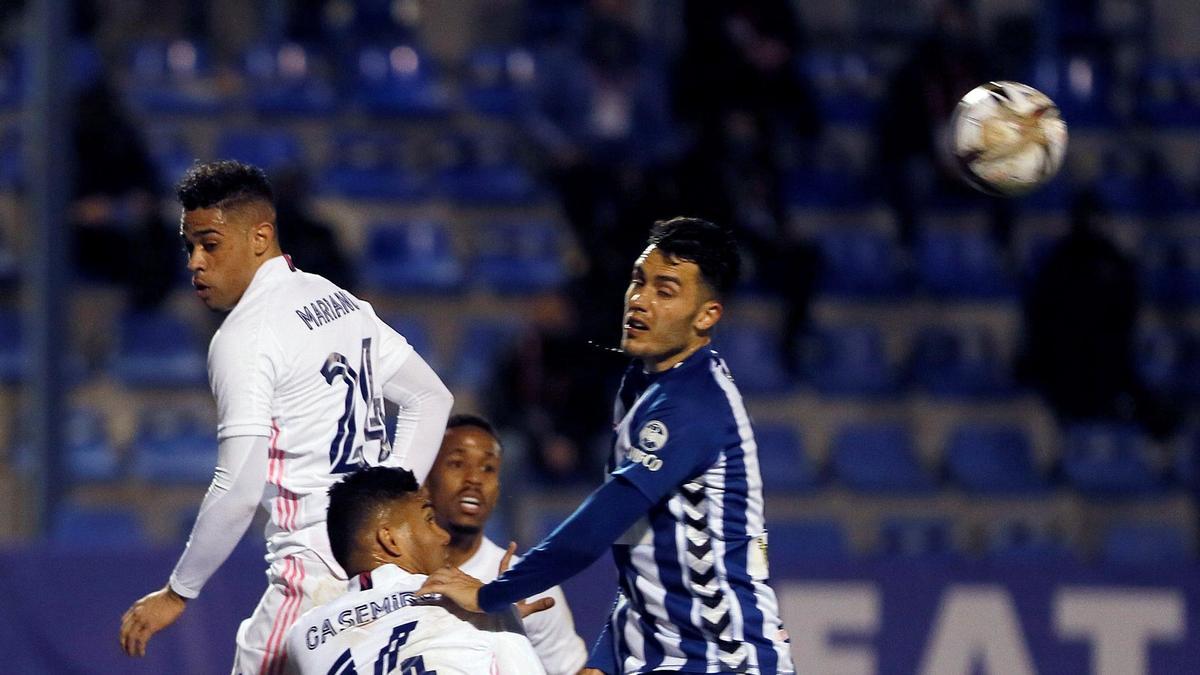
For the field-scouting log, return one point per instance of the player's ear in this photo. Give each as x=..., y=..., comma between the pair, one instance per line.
x=262, y=237
x=708, y=316
x=388, y=540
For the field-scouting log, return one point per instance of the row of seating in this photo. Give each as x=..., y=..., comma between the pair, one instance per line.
x=1124, y=544
x=1099, y=460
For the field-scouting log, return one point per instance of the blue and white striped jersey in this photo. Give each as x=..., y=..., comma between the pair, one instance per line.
x=693, y=573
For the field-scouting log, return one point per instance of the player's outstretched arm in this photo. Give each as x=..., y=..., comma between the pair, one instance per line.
x=225, y=513
x=425, y=404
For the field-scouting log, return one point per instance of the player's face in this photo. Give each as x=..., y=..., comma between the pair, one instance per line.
x=464, y=483
x=668, y=311
x=220, y=255
x=416, y=525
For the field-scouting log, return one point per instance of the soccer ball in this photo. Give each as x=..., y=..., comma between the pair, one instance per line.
x=1007, y=138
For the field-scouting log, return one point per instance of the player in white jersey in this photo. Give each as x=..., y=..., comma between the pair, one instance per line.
x=464, y=486
x=300, y=369
x=382, y=530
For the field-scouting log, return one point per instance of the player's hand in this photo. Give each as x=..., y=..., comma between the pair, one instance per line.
x=455, y=584
x=147, y=616
x=524, y=607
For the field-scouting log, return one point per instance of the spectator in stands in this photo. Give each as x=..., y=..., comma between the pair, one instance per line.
x=119, y=234
x=741, y=94
x=312, y=242
x=548, y=394
x=1081, y=311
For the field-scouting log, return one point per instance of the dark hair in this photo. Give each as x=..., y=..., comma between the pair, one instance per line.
x=469, y=420
x=355, y=497
x=710, y=246
x=223, y=184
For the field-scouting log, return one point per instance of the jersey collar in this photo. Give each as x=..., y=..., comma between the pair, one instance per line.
x=386, y=576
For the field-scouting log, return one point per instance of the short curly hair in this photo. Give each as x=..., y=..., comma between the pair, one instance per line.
x=223, y=184
x=712, y=247
x=355, y=498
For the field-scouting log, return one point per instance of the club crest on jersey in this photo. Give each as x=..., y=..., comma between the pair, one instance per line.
x=653, y=436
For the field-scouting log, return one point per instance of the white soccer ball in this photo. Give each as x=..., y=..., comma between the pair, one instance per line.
x=1007, y=138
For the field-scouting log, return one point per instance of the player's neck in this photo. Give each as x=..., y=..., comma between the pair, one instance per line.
x=669, y=362
x=463, y=547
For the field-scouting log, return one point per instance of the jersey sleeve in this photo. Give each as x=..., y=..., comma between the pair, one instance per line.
x=243, y=365
x=670, y=444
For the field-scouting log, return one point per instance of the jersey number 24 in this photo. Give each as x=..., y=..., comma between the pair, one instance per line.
x=344, y=455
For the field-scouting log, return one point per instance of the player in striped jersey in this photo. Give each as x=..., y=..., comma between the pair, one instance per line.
x=300, y=370
x=682, y=506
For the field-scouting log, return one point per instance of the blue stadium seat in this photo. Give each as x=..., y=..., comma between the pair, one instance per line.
x=158, y=350
x=992, y=459
x=174, y=445
x=283, y=81
x=782, y=461
x=268, y=149
x=959, y=361
x=1187, y=461
x=482, y=170
x=846, y=84
x=848, y=361
x=1026, y=543
x=90, y=454
x=170, y=78
x=411, y=257
x=1080, y=88
x=878, y=457
x=416, y=332
x=398, y=80
x=930, y=539
x=825, y=187
x=519, y=257
x=1145, y=544
x=859, y=262
x=371, y=166
x=1163, y=99
x=1108, y=460
x=172, y=154
x=793, y=541
x=754, y=357
x=12, y=78
x=962, y=263
x=90, y=528
x=499, y=80
x=482, y=344
x=1171, y=269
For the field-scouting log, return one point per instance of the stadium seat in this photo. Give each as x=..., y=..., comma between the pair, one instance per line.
x=962, y=263
x=1145, y=544
x=158, y=350
x=11, y=168
x=269, y=150
x=1171, y=269
x=1020, y=542
x=499, y=80
x=790, y=542
x=173, y=78
x=482, y=344
x=992, y=459
x=859, y=262
x=398, y=80
x=416, y=332
x=484, y=170
x=878, y=457
x=516, y=257
x=1163, y=99
x=847, y=85
x=412, y=257
x=174, y=445
x=928, y=539
x=12, y=78
x=848, y=361
x=753, y=355
x=959, y=361
x=283, y=81
x=1108, y=460
x=824, y=187
x=90, y=528
x=12, y=347
x=90, y=454
x=782, y=461
x=171, y=153
x=1187, y=461
x=371, y=166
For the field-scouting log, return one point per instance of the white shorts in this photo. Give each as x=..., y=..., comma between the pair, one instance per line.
x=297, y=584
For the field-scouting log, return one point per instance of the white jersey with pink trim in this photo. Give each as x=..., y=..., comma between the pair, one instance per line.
x=303, y=362
x=379, y=627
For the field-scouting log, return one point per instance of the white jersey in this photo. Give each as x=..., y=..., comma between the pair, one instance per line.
x=377, y=629
x=303, y=362
x=551, y=631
